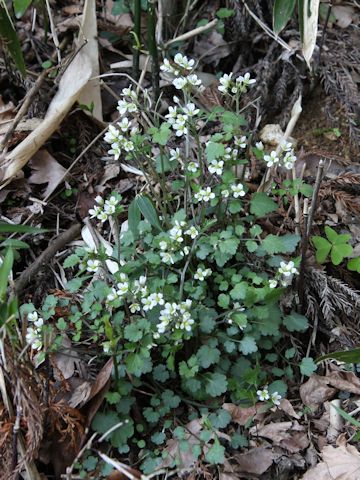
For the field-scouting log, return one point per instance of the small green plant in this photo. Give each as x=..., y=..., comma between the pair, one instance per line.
x=336, y=245
x=184, y=294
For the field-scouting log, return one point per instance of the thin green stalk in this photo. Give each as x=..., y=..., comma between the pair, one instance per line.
x=137, y=39
x=151, y=26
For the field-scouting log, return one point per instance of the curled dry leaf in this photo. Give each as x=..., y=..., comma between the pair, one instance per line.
x=339, y=463
x=289, y=435
x=345, y=381
x=255, y=461
x=287, y=408
x=241, y=415
x=316, y=391
x=46, y=170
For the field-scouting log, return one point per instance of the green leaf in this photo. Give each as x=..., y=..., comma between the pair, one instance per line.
x=285, y=244
x=296, y=322
x=5, y=270
x=9, y=38
x=71, y=261
x=323, y=248
x=137, y=364
x=354, y=265
x=239, y=291
x=251, y=246
x=248, y=345
x=158, y=438
x=278, y=386
x=339, y=252
x=160, y=373
x=283, y=10
x=207, y=356
x=10, y=228
x=225, y=12
x=216, y=454
x=134, y=217
x=214, y=150
x=331, y=234
x=148, y=210
x=261, y=204
x=216, y=384
x=170, y=399
x=307, y=366
x=347, y=356
x=223, y=301
x=162, y=135
x=20, y=7
x=14, y=244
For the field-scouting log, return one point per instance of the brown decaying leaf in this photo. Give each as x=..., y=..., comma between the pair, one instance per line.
x=287, y=408
x=339, y=463
x=242, y=415
x=255, y=461
x=46, y=170
x=6, y=116
x=289, y=435
x=316, y=391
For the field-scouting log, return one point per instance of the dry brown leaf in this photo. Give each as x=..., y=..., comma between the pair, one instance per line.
x=242, y=415
x=91, y=94
x=288, y=435
x=46, y=170
x=339, y=463
x=287, y=408
x=346, y=381
x=6, y=116
x=344, y=14
x=256, y=460
x=316, y=391
x=211, y=48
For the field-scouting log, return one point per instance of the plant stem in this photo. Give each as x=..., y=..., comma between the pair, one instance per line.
x=151, y=24
x=137, y=41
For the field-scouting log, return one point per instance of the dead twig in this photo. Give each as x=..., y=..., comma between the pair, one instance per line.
x=46, y=256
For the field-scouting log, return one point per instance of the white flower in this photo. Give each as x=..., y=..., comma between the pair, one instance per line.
x=33, y=338
x=179, y=83
x=99, y=200
x=129, y=92
x=202, y=274
x=191, y=110
x=192, y=167
x=168, y=68
x=193, y=232
x=289, y=160
x=275, y=398
x=204, y=195
x=180, y=129
x=238, y=190
x=158, y=298
x=185, y=251
x=286, y=146
x=176, y=234
x=186, y=324
x=171, y=116
x=92, y=265
x=183, y=61
x=115, y=150
x=263, y=394
x=216, y=166
x=225, y=82
x=124, y=106
x=259, y=145
x=103, y=216
x=287, y=269
x=271, y=159
x=181, y=119
x=148, y=303
x=166, y=257
x=244, y=81
x=123, y=288
x=112, y=295
x=176, y=99
x=240, y=142
x=163, y=245
x=273, y=283
x=225, y=193
x=193, y=80
x=112, y=135
x=128, y=145
x=32, y=317
x=174, y=154
x=124, y=124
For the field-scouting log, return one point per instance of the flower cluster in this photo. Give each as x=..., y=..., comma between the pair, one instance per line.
x=104, y=208
x=178, y=117
x=172, y=247
x=34, y=331
x=264, y=395
x=229, y=86
x=182, y=65
x=175, y=316
x=286, y=157
x=285, y=274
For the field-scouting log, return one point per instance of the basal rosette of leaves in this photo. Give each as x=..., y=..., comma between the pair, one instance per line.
x=185, y=296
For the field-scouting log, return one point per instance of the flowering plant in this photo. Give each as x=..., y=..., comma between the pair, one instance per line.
x=186, y=297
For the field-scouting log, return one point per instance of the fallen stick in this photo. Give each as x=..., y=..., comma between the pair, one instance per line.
x=59, y=243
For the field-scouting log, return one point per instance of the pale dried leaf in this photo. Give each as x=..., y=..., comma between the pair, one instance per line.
x=242, y=415
x=287, y=408
x=346, y=381
x=71, y=84
x=91, y=94
x=90, y=242
x=6, y=116
x=316, y=391
x=256, y=460
x=288, y=435
x=344, y=14
x=46, y=170
x=339, y=463
x=310, y=23
x=80, y=394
